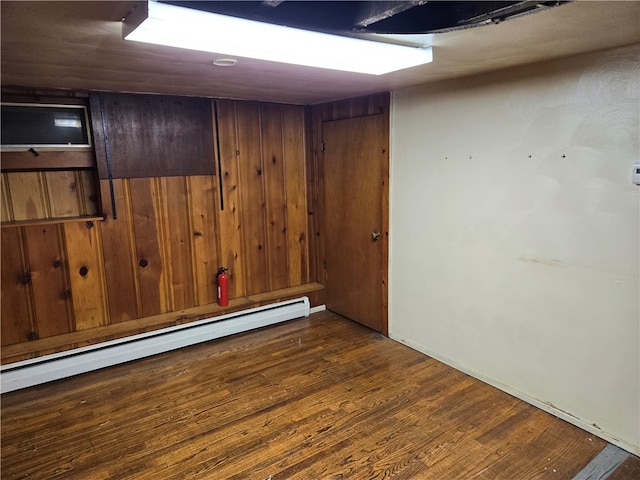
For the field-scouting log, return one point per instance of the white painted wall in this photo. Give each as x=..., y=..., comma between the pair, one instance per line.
x=515, y=233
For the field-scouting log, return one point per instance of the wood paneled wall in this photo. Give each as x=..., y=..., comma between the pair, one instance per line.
x=69, y=281
x=263, y=191
x=161, y=251
x=52, y=280
x=66, y=284
x=48, y=194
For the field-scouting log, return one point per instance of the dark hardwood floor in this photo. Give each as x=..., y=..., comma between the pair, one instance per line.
x=316, y=398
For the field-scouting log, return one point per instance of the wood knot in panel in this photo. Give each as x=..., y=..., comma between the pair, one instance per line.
x=25, y=278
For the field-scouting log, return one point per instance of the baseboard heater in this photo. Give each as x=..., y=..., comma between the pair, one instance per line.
x=27, y=373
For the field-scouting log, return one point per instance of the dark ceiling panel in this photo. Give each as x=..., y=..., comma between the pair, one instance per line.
x=400, y=17
x=447, y=16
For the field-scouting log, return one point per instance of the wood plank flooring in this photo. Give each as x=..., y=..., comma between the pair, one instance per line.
x=316, y=398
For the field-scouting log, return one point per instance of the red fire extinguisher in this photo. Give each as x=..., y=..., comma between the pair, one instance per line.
x=223, y=287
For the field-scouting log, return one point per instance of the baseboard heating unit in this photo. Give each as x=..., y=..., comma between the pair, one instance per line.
x=27, y=373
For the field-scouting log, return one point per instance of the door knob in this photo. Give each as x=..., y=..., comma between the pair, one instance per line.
x=375, y=236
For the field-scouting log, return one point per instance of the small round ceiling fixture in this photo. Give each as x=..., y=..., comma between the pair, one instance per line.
x=225, y=62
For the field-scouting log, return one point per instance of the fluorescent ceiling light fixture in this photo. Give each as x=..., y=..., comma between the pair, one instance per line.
x=210, y=32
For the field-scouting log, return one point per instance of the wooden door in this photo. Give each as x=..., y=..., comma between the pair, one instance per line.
x=356, y=205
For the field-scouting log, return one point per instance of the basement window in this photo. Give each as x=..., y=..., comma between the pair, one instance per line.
x=44, y=126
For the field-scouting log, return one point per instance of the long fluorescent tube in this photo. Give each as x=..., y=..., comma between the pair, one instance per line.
x=210, y=32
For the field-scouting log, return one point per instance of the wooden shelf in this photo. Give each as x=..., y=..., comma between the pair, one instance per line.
x=52, y=221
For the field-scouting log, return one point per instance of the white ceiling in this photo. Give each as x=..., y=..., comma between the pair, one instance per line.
x=78, y=45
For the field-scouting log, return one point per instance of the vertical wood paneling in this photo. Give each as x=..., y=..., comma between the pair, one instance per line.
x=63, y=194
x=295, y=187
x=230, y=218
x=86, y=272
x=274, y=195
x=51, y=290
x=310, y=166
x=355, y=107
x=315, y=194
x=339, y=109
x=171, y=234
x=28, y=195
x=87, y=192
x=385, y=204
x=202, y=212
x=17, y=314
x=6, y=215
x=47, y=194
x=176, y=217
x=119, y=253
x=152, y=278
x=252, y=191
